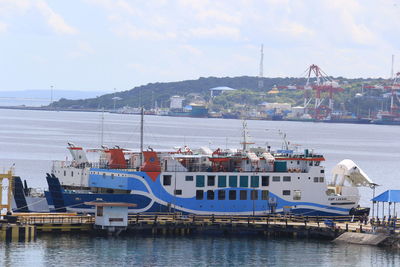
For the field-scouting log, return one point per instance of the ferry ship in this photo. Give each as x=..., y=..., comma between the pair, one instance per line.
x=246, y=181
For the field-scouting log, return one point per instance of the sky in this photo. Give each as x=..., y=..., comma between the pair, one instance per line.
x=115, y=45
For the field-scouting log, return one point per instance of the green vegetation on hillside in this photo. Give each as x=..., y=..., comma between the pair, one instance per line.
x=247, y=94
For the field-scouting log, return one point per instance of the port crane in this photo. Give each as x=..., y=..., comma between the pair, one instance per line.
x=323, y=86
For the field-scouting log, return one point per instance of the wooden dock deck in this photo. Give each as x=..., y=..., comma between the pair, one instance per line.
x=164, y=223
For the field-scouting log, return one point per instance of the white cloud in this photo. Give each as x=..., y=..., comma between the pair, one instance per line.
x=54, y=20
x=10, y=7
x=116, y=6
x=194, y=4
x=218, y=15
x=3, y=27
x=83, y=48
x=350, y=17
x=124, y=5
x=241, y=59
x=138, y=68
x=345, y=37
x=192, y=50
x=215, y=32
x=136, y=33
x=295, y=29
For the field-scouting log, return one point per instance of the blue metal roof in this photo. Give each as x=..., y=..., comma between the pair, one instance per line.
x=388, y=196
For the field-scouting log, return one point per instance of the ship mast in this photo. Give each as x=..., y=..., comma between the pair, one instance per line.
x=141, y=135
x=245, y=136
x=244, y=143
x=102, y=128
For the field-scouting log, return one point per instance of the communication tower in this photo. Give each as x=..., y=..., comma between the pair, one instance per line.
x=261, y=74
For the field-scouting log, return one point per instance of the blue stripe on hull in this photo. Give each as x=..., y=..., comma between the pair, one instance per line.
x=141, y=182
x=76, y=200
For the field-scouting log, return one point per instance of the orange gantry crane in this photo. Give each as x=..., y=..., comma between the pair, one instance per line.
x=323, y=86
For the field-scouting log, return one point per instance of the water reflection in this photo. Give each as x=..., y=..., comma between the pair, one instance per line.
x=84, y=250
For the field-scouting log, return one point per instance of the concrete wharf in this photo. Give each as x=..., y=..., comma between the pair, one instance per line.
x=178, y=224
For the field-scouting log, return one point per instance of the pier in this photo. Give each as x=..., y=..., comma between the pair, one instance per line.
x=158, y=224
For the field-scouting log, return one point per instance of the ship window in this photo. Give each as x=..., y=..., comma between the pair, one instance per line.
x=255, y=181
x=315, y=179
x=311, y=163
x=200, y=180
x=99, y=212
x=298, y=162
x=286, y=192
x=322, y=171
x=189, y=178
x=65, y=173
x=317, y=163
x=276, y=178
x=264, y=180
x=296, y=194
x=232, y=181
x=199, y=194
x=264, y=194
x=244, y=181
x=167, y=179
x=254, y=195
x=286, y=178
x=72, y=173
x=211, y=180
x=222, y=181
x=221, y=195
x=178, y=191
x=210, y=195
x=232, y=194
x=321, y=179
x=243, y=194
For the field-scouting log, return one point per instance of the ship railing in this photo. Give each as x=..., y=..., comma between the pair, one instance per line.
x=69, y=163
x=60, y=218
x=98, y=165
x=179, y=218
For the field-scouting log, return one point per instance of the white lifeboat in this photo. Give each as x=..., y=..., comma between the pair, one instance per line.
x=268, y=157
x=253, y=158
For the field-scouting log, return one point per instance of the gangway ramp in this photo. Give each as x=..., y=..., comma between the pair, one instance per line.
x=362, y=238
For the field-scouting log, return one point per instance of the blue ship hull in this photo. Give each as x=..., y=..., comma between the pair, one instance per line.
x=150, y=196
x=75, y=202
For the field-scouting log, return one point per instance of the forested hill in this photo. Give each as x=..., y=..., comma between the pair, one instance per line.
x=151, y=93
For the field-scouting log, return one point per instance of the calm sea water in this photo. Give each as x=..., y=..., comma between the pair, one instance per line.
x=32, y=139
x=191, y=251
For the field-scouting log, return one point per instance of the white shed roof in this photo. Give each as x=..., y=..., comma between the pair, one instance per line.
x=222, y=88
